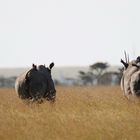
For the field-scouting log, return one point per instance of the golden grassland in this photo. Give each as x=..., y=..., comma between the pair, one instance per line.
x=79, y=113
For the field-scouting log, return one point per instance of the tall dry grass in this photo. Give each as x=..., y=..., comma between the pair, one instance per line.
x=79, y=113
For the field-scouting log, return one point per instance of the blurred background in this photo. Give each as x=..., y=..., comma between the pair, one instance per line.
x=84, y=38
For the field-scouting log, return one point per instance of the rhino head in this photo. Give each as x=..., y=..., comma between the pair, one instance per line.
x=36, y=83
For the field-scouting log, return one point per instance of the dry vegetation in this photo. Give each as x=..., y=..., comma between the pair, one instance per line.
x=79, y=113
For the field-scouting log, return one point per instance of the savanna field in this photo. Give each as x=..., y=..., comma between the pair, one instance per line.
x=79, y=113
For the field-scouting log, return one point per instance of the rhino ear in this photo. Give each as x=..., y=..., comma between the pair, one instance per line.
x=34, y=66
x=51, y=65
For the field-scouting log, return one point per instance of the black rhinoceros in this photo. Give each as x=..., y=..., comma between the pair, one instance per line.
x=36, y=83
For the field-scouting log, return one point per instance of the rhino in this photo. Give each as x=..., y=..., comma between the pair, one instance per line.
x=130, y=81
x=36, y=83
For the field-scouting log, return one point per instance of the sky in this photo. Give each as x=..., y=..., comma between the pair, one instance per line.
x=68, y=32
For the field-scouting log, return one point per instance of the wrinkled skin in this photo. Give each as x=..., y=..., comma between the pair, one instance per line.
x=130, y=81
x=35, y=84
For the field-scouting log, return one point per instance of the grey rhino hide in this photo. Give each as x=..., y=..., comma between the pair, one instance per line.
x=36, y=83
x=130, y=79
